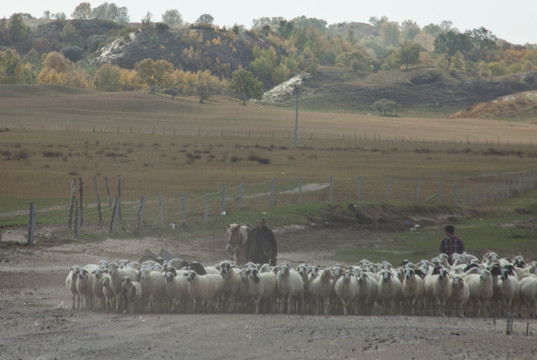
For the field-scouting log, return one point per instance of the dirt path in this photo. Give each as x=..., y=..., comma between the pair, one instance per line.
x=36, y=320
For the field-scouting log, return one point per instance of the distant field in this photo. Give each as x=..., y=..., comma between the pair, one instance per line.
x=174, y=147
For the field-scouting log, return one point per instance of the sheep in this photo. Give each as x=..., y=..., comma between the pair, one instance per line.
x=116, y=275
x=70, y=283
x=460, y=294
x=389, y=291
x=437, y=290
x=261, y=287
x=232, y=282
x=367, y=290
x=528, y=294
x=290, y=286
x=481, y=289
x=132, y=293
x=509, y=289
x=84, y=287
x=346, y=289
x=108, y=292
x=153, y=290
x=98, y=286
x=412, y=289
x=204, y=289
x=176, y=290
x=320, y=289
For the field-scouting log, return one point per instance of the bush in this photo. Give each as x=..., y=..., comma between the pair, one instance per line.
x=73, y=53
x=427, y=77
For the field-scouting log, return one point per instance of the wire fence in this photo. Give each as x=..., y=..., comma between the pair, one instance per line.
x=160, y=211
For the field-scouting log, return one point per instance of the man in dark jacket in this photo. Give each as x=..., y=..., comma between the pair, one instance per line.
x=261, y=247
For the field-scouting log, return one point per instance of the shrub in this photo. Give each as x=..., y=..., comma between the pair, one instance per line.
x=52, y=154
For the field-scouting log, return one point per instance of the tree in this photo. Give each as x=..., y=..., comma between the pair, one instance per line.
x=10, y=66
x=244, y=83
x=82, y=11
x=205, y=19
x=450, y=42
x=154, y=74
x=16, y=27
x=111, y=12
x=408, y=53
x=385, y=106
x=107, y=78
x=409, y=30
x=389, y=32
x=172, y=18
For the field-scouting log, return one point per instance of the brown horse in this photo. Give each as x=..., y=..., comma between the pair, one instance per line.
x=237, y=235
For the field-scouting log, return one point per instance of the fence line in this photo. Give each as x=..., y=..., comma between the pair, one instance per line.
x=158, y=211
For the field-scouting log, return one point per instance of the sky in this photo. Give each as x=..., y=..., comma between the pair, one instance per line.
x=514, y=21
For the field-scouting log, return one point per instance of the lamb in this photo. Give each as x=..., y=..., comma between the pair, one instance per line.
x=346, y=289
x=153, y=290
x=412, y=289
x=290, y=286
x=98, y=287
x=70, y=283
x=320, y=289
x=261, y=287
x=437, y=290
x=509, y=289
x=460, y=294
x=116, y=275
x=389, y=291
x=204, y=289
x=132, y=293
x=481, y=289
x=108, y=292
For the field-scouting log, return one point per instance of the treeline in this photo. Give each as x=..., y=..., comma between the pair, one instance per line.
x=283, y=48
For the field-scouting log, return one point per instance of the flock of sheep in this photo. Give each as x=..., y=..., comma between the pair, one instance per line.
x=492, y=286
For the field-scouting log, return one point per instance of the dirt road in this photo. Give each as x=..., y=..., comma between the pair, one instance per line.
x=36, y=320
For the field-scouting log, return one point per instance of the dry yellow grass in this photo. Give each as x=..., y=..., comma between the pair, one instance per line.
x=186, y=147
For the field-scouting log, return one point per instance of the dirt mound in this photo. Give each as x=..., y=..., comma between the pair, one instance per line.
x=524, y=103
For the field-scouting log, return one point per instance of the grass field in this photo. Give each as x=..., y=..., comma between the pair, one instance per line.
x=51, y=135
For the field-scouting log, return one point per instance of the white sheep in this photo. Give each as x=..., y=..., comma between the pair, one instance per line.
x=70, y=284
x=108, y=292
x=153, y=290
x=412, y=289
x=509, y=289
x=261, y=287
x=528, y=294
x=346, y=289
x=204, y=289
x=460, y=294
x=481, y=289
x=437, y=290
x=232, y=282
x=98, y=287
x=290, y=286
x=389, y=291
x=132, y=293
x=116, y=275
x=367, y=290
x=176, y=290
x=320, y=288
x=84, y=287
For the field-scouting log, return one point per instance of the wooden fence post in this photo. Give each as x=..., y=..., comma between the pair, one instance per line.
x=31, y=225
x=418, y=190
x=72, y=203
x=78, y=221
x=80, y=189
x=98, y=200
x=119, y=195
x=108, y=193
x=115, y=215
x=140, y=214
x=388, y=189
